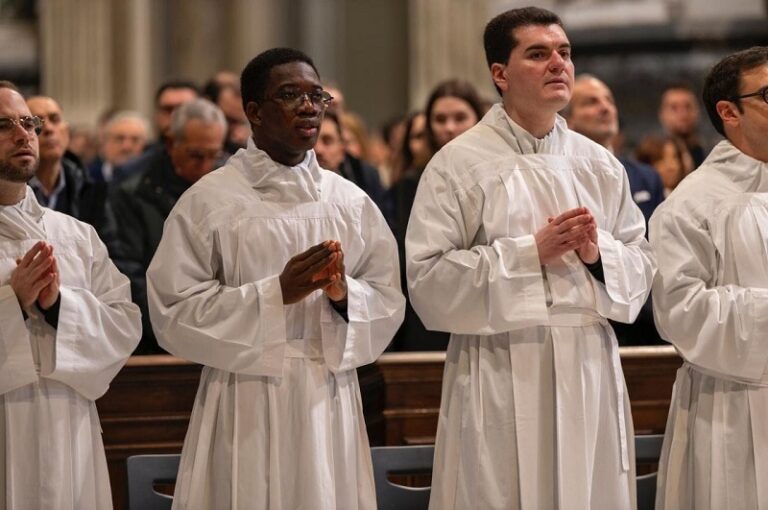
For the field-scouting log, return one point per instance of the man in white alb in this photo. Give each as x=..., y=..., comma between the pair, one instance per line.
x=711, y=302
x=523, y=240
x=67, y=326
x=281, y=278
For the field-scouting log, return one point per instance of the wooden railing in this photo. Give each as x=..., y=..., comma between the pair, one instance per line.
x=148, y=405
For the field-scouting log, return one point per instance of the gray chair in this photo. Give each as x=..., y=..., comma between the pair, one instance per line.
x=647, y=451
x=144, y=471
x=401, y=460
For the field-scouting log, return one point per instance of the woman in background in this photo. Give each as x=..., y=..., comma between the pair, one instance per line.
x=668, y=156
x=453, y=107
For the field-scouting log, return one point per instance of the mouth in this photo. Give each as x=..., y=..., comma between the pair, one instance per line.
x=557, y=81
x=24, y=153
x=308, y=129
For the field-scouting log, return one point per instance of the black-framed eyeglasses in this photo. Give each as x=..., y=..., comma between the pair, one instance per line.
x=763, y=92
x=29, y=123
x=293, y=98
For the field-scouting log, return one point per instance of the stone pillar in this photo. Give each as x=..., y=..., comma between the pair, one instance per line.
x=446, y=41
x=76, y=56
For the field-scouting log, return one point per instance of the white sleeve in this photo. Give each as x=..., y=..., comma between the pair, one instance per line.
x=98, y=328
x=719, y=328
x=17, y=366
x=375, y=303
x=196, y=317
x=628, y=262
x=465, y=289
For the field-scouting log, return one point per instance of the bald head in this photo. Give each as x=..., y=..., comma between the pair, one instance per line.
x=54, y=136
x=592, y=110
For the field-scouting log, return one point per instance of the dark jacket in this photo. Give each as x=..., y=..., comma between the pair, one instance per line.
x=412, y=335
x=141, y=203
x=367, y=179
x=84, y=199
x=647, y=192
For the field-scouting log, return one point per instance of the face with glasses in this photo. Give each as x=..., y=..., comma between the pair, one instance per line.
x=286, y=122
x=18, y=140
x=748, y=120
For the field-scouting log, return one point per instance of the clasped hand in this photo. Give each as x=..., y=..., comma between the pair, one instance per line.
x=36, y=277
x=320, y=267
x=573, y=230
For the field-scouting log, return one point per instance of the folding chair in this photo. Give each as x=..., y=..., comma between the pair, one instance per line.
x=144, y=471
x=401, y=460
x=647, y=451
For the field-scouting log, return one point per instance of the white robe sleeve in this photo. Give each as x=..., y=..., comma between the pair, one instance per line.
x=465, y=289
x=196, y=317
x=719, y=328
x=98, y=329
x=375, y=303
x=628, y=263
x=17, y=366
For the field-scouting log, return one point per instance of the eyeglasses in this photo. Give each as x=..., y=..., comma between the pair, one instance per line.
x=29, y=124
x=763, y=92
x=202, y=156
x=293, y=99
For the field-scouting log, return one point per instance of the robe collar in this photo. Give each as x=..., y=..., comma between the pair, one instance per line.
x=517, y=137
x=739, y=168
x=287, y=183
x=23, y=220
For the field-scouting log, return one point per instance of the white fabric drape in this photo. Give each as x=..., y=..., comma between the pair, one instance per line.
x=534, y=412
x=277, y=422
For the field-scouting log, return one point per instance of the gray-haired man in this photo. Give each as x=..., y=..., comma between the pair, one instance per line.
x=143, y=201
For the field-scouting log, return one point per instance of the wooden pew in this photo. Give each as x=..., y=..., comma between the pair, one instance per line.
x=148, y=405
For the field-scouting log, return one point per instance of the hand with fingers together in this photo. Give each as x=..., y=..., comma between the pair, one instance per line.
x=337, y=290
x=36, y=273
x=569, y=231
x=588, y=251
x=300, y=275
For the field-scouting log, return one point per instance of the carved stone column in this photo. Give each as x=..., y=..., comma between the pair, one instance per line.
x=76, y=55
x=446, y=41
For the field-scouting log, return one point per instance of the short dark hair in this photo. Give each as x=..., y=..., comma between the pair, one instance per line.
x=460, y=89
x=724, y=81
x=678, y=85
x=5, y=84
x=498, y=38
x=255, y=75
x=176, y=84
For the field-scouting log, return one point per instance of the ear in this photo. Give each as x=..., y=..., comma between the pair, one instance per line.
x=252, y=112
x=729, y=112
x=499, y=77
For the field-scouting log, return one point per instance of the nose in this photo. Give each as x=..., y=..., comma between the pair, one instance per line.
x=556, y=62
x=306, y=104
x=21, y=134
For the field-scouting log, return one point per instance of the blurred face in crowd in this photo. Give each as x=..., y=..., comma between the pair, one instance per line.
x=282, y=129
x=124, y=139
x=593, y=111
x=198, y=151
x=54, y=137
x=417, y=141
x=450, y=117
x=168, y=101
x=679, y=112
x=231, y=103
x=337, y=105
x=539, y=73
x=674, y=164
x=329, y=147
x=18, y=147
